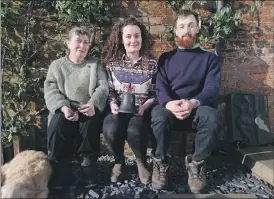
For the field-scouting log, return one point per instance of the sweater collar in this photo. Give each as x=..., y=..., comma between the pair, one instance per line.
x=193, y=47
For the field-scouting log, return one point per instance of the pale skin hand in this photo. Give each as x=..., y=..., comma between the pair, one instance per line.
x=69, y=114
x=181, y=108
x=87, y=110
x=114, y=108
x=145, y=106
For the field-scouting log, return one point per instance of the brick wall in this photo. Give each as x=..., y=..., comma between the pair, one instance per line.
x=248, y=57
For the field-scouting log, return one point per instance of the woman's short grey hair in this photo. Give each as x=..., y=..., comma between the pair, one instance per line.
x=78, y=31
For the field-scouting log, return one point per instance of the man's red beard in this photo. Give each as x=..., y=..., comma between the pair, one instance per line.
x=186, y=41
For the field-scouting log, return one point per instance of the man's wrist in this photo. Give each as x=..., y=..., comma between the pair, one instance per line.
x=195, y=103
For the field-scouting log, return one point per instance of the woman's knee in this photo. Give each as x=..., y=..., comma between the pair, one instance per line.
x=110, y=125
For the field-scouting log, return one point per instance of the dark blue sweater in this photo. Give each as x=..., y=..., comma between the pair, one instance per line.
x=188, y=74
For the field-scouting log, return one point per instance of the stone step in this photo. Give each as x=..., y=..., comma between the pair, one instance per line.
x=206, y=196
x=260, y=160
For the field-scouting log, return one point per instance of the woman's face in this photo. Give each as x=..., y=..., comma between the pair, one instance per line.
x=78, y=46
x=132, y=38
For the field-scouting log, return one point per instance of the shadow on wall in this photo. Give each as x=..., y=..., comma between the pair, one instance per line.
x=248, y=68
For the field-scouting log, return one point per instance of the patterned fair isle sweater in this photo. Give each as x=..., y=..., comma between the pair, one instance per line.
x=142, y=76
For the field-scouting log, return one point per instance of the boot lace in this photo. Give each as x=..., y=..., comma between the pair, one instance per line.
x=161, y=170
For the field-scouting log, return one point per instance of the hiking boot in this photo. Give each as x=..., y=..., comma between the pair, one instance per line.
x=196, y=174
x=144, y=173
x=90, y=171
x=159, y=174
x=116, y=173
x=61, y=174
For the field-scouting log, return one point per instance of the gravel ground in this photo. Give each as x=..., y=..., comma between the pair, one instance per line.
x=225, y=174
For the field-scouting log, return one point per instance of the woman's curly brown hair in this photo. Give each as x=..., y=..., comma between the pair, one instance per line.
x=114, y=49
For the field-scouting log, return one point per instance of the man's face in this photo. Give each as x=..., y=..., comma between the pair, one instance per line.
x=186, y=30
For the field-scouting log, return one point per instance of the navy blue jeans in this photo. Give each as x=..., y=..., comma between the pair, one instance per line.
x=204, y=120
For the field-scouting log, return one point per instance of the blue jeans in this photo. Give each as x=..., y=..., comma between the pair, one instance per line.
x=204, y=120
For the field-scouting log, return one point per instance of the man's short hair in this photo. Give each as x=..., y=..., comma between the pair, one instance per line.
x=185, y=13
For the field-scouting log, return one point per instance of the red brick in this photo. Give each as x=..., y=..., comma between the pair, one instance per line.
x=144, y=4
x=267, y=18
x=247, y=2
x=155, y=20
x=267, y=10
x=125, y=4
x=268, y=3
x=268, y=60
x=152, y=4
x=143, y=20
x=159, y=46
x=156, y=30
x=260, y=76
x=268, y=27
x=269, y=82
x=268, y=36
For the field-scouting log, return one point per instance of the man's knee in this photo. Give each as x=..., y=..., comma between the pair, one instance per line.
x=160, y=114
x=209, y=115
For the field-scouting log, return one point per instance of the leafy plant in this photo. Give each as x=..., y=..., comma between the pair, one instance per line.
x=32, y=36
x=214, y=25
x=94, y=14
x=21, y=75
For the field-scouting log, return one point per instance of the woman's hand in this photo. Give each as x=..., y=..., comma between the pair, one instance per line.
x=69, y=114
x=114, y=108
x=87, y=110
x=145, y=106
x=141, y=110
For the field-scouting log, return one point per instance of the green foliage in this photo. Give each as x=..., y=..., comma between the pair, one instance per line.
x=22, y=78
x=93, y=14
x=32, y=36
x=225, y=22
x=85, y=12
x=221, y=24
x=183, y=4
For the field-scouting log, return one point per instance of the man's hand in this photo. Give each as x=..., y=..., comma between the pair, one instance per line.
x=69, y=114
x=181, y=108
x=87, y=110
x=174, y=106
x=187, y=106
x=114, y=108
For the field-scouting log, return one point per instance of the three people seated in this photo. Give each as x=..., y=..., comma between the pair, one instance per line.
x=78, y=88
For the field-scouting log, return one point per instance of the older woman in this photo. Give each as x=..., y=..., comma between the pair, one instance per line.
x=128, y=63
x=76, y=91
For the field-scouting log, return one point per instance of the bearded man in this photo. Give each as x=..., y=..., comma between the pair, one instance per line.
x=187, y=86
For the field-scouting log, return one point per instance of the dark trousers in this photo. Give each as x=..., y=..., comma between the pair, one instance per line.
x=63, y=134
x=204, y=120
x=121, y=127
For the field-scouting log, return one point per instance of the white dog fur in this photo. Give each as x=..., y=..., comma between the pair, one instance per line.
x=26, y=176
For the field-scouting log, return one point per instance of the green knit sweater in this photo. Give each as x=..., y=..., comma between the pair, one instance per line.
x=85, y=83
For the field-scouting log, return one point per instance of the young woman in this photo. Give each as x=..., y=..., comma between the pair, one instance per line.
x=126, y=58
x=76, y=92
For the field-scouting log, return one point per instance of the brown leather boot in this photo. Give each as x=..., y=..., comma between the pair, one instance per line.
x=196, y=174
x=160, y=174
x=116, y=173
x=144, y=173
